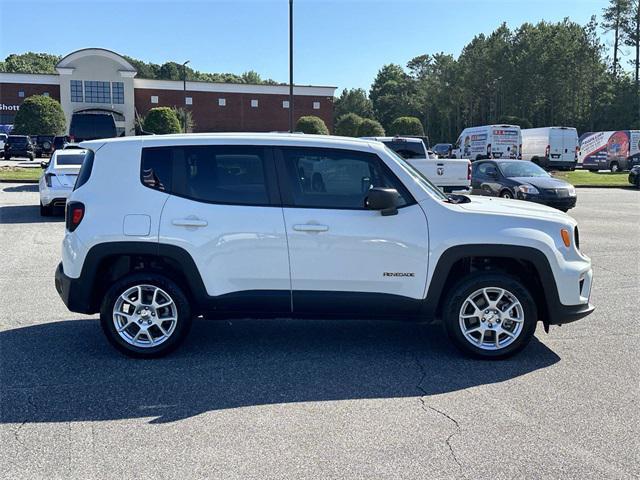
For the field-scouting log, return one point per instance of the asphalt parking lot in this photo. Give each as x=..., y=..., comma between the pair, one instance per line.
x=311, y=399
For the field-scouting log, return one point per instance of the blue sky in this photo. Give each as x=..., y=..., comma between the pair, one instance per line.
x=339, y=43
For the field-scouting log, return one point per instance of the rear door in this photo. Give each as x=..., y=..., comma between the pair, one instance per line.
x=225, y=211
x=346, y=259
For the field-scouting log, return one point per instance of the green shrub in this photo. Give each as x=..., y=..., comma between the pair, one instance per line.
x=312, y=125
x=162, y=120
x=406, y=126
x=370, y=128
x=347, y=125
x=39, y=115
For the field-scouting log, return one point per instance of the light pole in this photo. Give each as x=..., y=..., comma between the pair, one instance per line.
x=184, y=89
x=291, y=126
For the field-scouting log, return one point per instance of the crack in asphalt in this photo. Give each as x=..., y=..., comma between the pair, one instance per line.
x=16, y=432
x=426, y=407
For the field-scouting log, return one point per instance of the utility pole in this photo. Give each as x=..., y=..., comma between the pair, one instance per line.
x=291, y=118
x=184, y=90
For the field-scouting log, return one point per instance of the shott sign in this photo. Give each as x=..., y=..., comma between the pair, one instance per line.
x=9, y=108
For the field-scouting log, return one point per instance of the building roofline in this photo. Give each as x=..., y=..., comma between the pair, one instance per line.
x=64, y=61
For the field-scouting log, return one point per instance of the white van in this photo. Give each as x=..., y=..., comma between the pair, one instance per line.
x=551, y=147
x=489, y=141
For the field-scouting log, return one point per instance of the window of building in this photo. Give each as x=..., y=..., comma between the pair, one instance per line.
x=188, y=101
x=97, y=91
x=46, y=94
x=254, y=103
x=117, y=90
x=21, y=94
x=76, y=91
x=222, y=102
x=154, y=99
x=211, y=174
x=316, y=105
x=285, y=104
x=339, y=179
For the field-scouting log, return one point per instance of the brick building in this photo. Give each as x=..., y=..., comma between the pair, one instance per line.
x=99, y=80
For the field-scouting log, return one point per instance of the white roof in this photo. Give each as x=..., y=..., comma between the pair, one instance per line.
x=239, y=138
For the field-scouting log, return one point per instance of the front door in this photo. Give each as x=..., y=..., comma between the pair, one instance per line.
x=345, y=259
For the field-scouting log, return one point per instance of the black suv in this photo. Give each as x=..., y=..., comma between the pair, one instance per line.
x=18, y=146
x=44, y=145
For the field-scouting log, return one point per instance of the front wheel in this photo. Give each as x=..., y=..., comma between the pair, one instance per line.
x=506, y=194
x=145, y=315
x=490, y=315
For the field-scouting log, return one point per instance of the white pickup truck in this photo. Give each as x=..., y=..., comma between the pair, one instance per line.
x=448, y=174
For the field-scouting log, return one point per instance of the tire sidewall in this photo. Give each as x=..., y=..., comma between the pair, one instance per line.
x=466, y=287
x=182, y=305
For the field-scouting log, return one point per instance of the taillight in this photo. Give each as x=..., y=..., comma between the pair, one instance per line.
x=469, y=171
x=75, y=214
x=547, y=151
x=520, y=152
x=577, y=153
x=489, y=150
x=47, y=178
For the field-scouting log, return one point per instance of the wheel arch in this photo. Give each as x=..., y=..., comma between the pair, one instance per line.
x=108, y=262
x=528, y=264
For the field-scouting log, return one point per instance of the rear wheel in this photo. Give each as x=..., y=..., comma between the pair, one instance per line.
x=7, y=157
x=145, y=315
x=490, y=315
x=46, y=210
x=614, y=167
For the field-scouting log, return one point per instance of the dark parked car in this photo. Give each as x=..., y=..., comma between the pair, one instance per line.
x=634, y=176
x=43, y=145
x=60, y=141
x=18, y=146
x=522, y=180
x=443, y=150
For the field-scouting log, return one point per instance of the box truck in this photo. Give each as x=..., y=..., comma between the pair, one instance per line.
x=489, y=141
x=612, y=150
x=551, y=147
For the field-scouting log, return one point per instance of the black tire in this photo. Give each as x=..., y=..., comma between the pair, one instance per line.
x=31, y=157
x=506, y=194
x=7, y=157
x=614, y=167
x=46, y=210
x=454, y=302
x=183, y=323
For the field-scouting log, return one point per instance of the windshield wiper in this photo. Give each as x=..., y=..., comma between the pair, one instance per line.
x=457, y=198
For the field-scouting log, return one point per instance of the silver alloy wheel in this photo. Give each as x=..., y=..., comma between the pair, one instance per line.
x=491, y=318
x=145, y=316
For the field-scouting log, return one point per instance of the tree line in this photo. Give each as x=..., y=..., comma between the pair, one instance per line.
x=535, y=75
x=32, y=62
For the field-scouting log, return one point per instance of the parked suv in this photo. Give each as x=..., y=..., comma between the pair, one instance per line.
x=18, y=146
x=272, y=225
x=43, y=145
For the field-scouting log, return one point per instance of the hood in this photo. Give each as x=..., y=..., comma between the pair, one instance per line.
x=542, y=182
x=518, y=208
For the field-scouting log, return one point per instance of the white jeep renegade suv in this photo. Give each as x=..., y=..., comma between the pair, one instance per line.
x=163, y=228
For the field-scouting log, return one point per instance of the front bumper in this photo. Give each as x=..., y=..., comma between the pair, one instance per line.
x=561, y=314
x=564, y=203
x=72, y=292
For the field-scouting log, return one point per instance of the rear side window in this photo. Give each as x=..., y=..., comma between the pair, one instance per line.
x=407, y=150
x=213, y=174
x=85, y=169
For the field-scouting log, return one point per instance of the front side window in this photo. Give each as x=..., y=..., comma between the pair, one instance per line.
x=333, y=178
x=97, y=92
x=76, y=91
x=117, y=89
x=212, y=174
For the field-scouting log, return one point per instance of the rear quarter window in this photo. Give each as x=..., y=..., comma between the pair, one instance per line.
x=85, y=169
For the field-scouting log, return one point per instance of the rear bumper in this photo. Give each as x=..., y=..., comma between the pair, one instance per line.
x=72, y=292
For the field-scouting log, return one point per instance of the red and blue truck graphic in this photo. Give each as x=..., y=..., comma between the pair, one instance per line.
x=611, y=150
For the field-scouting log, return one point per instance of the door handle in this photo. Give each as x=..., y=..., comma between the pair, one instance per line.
x=310, y=227
x=189, y=222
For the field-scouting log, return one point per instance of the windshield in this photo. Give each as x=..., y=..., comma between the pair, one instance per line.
x=407, y=149
x=75, y=159
x=521, y=168
x=417, y=176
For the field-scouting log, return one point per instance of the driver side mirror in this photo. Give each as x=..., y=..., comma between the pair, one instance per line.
x=383, y=199
x=44, y=165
